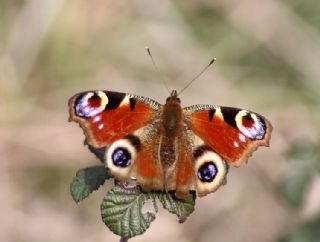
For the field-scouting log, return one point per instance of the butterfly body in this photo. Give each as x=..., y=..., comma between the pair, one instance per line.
x=167, y=147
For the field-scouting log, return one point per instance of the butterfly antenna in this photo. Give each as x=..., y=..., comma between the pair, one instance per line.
x=197, y=76
x=156, y=67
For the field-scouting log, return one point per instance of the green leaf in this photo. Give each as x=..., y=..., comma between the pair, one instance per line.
x=308, y=232
x=121, y=211
x=294, y=186
x=86, y=181
x=182, y=208
x=98, y=152
x=305, y=152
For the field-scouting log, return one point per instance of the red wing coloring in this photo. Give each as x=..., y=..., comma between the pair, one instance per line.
x=233, y=133
x=108, y=116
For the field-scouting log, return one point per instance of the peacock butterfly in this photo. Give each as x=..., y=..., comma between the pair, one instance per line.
x=167, y=147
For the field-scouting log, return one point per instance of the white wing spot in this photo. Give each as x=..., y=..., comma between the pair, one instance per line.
x=96, y=119
x=100, y=126
x=242, y=138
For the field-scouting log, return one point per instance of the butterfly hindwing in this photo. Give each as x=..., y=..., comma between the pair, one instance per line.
x=231, y=132
x=197, y=168
x=135, y=157
x=107, y=116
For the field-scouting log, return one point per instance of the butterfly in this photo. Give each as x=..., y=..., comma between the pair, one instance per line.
x=167, y=147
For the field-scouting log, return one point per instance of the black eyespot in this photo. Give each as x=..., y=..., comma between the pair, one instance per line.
x=121, y=157
x=207, y=172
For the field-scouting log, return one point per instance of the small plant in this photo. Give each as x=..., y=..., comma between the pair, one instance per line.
x=121, y=207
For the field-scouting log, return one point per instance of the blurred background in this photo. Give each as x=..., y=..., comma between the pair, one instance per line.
x=268, y=56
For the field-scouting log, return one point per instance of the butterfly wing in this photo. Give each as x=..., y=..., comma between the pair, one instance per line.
x=135, y=157
x=198, y=168
x=231, y=132
x=107, y=116
x=213, y=138
x=127, y=126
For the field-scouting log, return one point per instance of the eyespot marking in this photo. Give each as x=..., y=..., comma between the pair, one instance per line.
x=121, y=157
x=247, y=120
x=210, y=170
x=251, y=125
x=207, y=172
x=90, y=104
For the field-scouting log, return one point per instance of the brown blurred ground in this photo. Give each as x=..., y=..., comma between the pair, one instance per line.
x=268, y=61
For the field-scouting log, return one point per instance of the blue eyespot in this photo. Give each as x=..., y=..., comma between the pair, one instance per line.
x=88, y=107
x=207, y=172
x=121, y=157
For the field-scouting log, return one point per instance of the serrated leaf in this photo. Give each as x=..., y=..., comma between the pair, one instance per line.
x=121, y=211
x=98, y=152
x=86, y=181
x=182, y=208
x=294, y=185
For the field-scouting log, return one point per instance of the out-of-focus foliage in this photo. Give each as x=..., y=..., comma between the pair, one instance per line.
x=307, y=154
x=306, y=164
x=267, y=54
x=307, y=232
x=294, y=186
x=307, y=10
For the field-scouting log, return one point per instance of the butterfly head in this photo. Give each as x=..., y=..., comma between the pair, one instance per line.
x=173, y=97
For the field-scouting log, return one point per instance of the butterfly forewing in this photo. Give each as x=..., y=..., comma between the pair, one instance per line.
x=231, y=132
x=107, y=116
